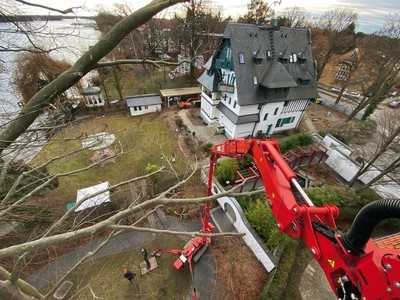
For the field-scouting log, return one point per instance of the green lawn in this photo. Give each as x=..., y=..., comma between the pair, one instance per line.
x=105, y=276
x=143, y=140
x=141, y=82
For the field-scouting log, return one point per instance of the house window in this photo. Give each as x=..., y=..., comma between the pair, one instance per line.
x=265, y=116
x=269, y=54
x=135, y=108
x=234, y=104
x=276, y=111
x=285, y=121
x=286, y=103
x=140, y=108
x=230, y=99
x=259, y=106
x=146, y=107
x=241, y=58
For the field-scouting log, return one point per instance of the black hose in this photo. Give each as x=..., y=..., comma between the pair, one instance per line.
x=366, y=220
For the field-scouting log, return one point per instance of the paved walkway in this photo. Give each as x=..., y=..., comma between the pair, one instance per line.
x=204, y=274
x=205, y=133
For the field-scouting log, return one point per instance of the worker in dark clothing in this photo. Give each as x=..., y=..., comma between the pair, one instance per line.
x=195, y=295
x=129, y=275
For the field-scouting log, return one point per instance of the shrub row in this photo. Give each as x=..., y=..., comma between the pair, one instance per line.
x=294, y=141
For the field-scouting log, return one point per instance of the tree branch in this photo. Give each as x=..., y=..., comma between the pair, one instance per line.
x=106, y=224
x=172, y=232
x=64, y=12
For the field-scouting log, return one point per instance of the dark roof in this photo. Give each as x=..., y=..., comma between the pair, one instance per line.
x=276, y=77
x=138, y=100
x=235, y=119
x=207, y=80
x=91, y=90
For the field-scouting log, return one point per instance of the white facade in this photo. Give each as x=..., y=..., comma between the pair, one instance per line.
x=272, y=117
x=144, y=109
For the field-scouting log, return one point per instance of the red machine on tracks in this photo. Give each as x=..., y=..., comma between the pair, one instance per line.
x=196, y=247
x=356, y=266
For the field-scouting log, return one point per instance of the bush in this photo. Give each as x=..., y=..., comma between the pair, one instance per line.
x=348, y=200
x=294, y=141
x=226, y=171
x=261, y=219
x=206, y=147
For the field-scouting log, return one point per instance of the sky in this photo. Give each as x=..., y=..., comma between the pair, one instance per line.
x=371, y=12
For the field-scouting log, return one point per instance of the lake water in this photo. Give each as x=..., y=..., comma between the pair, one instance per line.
x=72, y=37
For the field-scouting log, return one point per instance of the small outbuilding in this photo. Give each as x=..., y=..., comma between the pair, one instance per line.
x=93, y=97
x=143, y=104
x=175, y=96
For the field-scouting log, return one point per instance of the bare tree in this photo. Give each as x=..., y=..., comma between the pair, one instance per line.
x=60, y=232
x=335, y=31
x=377, y=153
x=258, y=12
x=381, y=66
x=293, y=17
x=82, y=66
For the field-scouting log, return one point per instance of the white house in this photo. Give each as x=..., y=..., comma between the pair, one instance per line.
x=143, y=104
x=93, y=97
x=260, y=80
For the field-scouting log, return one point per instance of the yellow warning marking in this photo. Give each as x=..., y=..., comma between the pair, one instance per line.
x=332, y=263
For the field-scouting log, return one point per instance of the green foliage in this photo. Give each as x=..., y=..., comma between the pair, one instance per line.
x=276, y=286
x=294, y=141
x=226, y=170
x=261, y=219
x=246, y=161
x=150, y=168
x=206, y=147
x=348, y=200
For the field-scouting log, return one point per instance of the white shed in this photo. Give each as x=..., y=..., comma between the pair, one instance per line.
x=102, y=197
x=143, y=104
x=93, y=97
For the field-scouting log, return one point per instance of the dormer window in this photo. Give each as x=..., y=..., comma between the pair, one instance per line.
x=241, y=58
x=293, y=58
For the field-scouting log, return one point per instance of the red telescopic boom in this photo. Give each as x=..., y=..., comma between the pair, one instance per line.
x=355, y=266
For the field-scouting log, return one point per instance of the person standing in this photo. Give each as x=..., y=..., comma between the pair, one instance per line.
x=129, y=275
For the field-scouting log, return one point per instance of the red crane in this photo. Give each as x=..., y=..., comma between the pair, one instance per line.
x=356, y=266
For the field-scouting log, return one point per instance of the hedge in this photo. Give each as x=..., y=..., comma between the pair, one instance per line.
x=294, y=141
x=261, y=219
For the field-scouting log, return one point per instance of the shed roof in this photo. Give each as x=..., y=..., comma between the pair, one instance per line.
x=139, y=100
x=95, y=200
x=91, y=90
x=180, y=91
